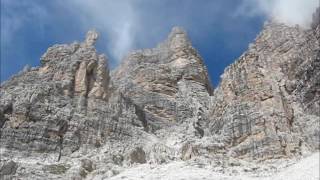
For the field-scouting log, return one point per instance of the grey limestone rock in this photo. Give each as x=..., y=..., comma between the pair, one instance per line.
x=65, y=104
x=8, y=168
x=267, y=104
x=166, y=82
x=158, y=106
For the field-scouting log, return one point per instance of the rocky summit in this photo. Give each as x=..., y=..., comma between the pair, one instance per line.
x=157, y=112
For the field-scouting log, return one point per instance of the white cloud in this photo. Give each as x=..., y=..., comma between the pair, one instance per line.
x=124, y=40
x=129, y=24
x=116, y=20
x=291, y=12
x=126, y=23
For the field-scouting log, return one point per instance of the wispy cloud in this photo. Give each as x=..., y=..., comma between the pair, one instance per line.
x=116, y=19
x=131, y=23
x=15, y=14
x=291, y=12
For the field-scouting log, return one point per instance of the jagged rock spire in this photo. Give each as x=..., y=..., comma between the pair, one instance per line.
x=178, y=38
x=91, y=37
x=158, y=107
x=316, y=18
x=177, y=30
x=171, y=77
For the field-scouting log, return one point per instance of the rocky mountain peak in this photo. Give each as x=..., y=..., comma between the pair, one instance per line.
x=177, y=30
x=165, y=75
x=91, y=38
x=316, y=18
x=263, y=104
x=158, y=107
x=178, y=38
x=79, y=66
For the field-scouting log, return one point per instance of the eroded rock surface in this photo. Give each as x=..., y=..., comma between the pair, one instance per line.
x=72, y=119
x=267, y=104
x=169, y=83
x=65, y=104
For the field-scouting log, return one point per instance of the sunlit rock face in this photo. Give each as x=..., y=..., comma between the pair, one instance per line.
x=65, y=104
x=71, y=118
x=267, y=104
x=169, y=82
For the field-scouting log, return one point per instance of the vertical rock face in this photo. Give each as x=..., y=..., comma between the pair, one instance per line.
x=159, y=106
x=169, y=82
x=82, y=71
x=267, y=103
x=316, y=19
x=65, y=103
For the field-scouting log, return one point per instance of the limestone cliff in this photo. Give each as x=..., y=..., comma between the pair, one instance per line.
x=170, y=82
x=71, y=118
x=65, y=104
x=267, y=103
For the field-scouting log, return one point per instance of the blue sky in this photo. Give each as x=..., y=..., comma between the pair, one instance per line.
x=220, y=30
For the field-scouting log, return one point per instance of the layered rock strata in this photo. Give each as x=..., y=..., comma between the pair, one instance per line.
x=71, y=118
